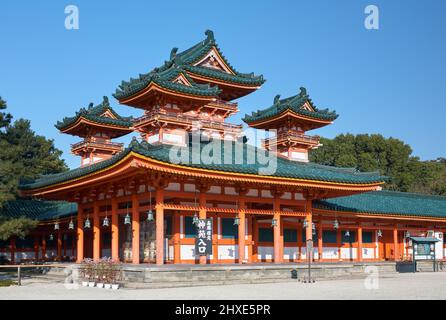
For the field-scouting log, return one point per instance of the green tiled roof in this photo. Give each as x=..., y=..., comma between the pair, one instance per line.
x=285, y=168
x=388, y=202
x=183, y=61
x=295, y=104
x=93, y=113
x=165, y=79
x=39, y=210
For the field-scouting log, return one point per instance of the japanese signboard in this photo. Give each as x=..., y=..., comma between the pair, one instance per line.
x=203, y=240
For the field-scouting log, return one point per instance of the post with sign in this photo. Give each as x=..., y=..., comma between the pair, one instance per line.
x=309, y=257
x=203, y=240
x=423, y=249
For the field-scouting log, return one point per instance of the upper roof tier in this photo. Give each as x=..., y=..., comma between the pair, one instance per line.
x=299, y=107
x=100, y=118
x=204, y=63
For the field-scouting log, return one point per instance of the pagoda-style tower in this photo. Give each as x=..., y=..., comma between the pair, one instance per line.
x=292, y=118
x=193, y=89
x=98, y=126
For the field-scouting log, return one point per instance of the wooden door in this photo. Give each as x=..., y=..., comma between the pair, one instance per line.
x=386, y=246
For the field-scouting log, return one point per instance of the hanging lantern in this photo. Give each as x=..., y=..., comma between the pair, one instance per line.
x=380, y=233
x=106, y=222
x=87, y=224
x=313, y=228
x=336, y=224
x=274, y=223
x=407, y=234
x=127, y=219
x=305, y=224
x=56, y=226
x=236, y=221
x=195, y=219
x=51, y=237
x=347, y=233
x=71, y=225
x=150, y=217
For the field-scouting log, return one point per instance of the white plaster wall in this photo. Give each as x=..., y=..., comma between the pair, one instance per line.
x=368, y=253
x=330, y=253
x=290, y=253
x=187, y=252
x=265, y=253
x=348, y=253
x=227, y=252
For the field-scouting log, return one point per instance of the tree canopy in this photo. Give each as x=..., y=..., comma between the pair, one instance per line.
x=390, y=156
x=23, y=155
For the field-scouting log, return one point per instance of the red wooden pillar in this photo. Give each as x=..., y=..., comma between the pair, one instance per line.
x=80, y=234
x=114, y=229
x=59, y=245
x=320, y=245
x=36, y=247
x=250, y=239
x=44, y=246
x=176, y=238
x=135, y=229
x=395, y=243
x=96, y=232
x=159, y=226
x=339, y=243
x=278, y=244
x=255, y=239
x=241, y=230
x=12, y=249
x=309, y=229
x=359, y=242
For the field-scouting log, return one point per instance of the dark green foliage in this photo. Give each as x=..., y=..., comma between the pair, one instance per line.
x=18, y=227
x=23, y=155
x=391, y=157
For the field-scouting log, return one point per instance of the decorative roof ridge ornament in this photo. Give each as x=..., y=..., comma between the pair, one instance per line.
x=173, y=53
x=303, y=92
x=105, y=102
x=210, y=35
x=277, y=99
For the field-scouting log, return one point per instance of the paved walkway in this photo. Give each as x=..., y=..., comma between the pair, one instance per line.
x=398, y=286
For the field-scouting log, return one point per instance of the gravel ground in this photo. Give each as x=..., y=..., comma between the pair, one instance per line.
x=399, y=286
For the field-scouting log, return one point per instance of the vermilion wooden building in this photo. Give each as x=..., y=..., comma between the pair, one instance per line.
x=138, y=204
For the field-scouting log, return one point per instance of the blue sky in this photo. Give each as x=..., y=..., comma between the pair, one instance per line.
x=390, y=81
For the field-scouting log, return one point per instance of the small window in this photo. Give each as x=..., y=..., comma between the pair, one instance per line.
x=290, y=235
x=266, y=235
x=228, y=229
x=348, y=238
x=190, y=230
x=329, y=236
x=367, y=237
x=304, y=236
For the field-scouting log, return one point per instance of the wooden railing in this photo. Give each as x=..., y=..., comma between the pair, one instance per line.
x=294, y=136
x=188, y=119
x=96, y=143
x=24, y=266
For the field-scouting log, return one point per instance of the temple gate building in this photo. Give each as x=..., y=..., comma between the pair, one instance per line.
x=139, y=204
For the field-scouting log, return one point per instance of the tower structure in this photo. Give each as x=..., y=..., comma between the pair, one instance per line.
x=291, y=117
x=193, y=89
x=97, y=125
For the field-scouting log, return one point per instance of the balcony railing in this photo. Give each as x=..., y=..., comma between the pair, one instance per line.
x=225, y=104
x=294, y=136
x=97, y=144
x=186, y=119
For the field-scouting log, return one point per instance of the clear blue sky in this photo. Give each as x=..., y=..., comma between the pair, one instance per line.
x=390, y=81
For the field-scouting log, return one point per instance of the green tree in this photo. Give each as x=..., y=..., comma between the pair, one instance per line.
x=18, y=227
x=5, y=118
x=23, y=155
x=391, y=157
